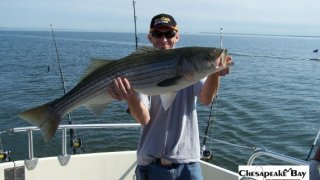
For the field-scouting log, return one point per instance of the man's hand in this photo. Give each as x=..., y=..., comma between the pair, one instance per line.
x=210, y=87
x=121, y=89
x=227, y=70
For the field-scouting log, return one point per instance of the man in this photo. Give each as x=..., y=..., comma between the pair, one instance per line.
x=169, y=146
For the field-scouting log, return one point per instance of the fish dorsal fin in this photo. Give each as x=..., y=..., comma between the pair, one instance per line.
x=167, y=99
x=145, y=49
x=142, y=50
x=95, y=63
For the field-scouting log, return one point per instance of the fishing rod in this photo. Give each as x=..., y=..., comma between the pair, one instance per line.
x=75, y=142
x=314, y=143
x=221, y=37
x=206, y=154
x=135, y=23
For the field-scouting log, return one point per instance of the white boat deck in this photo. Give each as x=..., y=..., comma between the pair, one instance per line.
x=102, y=166
x=97, y=166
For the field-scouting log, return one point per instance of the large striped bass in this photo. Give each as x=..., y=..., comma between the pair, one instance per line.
x=149, y=71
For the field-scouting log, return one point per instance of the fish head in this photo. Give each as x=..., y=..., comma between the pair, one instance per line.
x=203, y=61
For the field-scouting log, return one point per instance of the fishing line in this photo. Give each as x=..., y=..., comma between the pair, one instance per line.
x=253, y=148
x=75, y=142
x=314, y=143
x=213, y=119
x=205, y=153
x=49, y=53
x=59, y=63
x=1, y=147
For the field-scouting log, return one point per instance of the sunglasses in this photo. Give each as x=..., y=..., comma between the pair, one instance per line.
x=167, y=34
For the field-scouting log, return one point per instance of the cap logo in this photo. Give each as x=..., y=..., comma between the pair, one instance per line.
x=162, y=20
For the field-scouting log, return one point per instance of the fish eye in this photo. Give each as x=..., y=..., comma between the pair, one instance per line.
x=210, y=57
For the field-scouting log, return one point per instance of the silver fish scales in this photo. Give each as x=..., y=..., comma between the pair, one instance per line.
x=149, y=71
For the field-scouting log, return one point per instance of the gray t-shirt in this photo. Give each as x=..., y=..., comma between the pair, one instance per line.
x=172, y=134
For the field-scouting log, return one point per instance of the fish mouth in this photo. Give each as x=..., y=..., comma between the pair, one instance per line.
x=224, y=65
x=223, y=61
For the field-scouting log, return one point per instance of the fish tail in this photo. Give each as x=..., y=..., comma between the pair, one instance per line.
x=45, y=118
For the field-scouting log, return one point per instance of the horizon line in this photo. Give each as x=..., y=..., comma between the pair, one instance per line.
x=209, y=33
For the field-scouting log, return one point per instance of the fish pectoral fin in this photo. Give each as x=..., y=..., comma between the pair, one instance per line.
x=97, y=109
x=169, y=82
x=99, y=103
x=142, y=50
x=167, y=99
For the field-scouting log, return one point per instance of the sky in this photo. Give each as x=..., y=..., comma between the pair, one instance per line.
x=281, y=17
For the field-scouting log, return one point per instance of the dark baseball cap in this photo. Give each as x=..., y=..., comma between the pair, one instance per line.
x=161, y=20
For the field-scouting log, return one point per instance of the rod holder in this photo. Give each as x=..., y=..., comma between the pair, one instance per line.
x=64, y=158
x=30, y=163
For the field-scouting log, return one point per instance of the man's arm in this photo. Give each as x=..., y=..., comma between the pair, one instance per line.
x=138, y=110
x=211, y=85
x=209, y=89
x=123, y=91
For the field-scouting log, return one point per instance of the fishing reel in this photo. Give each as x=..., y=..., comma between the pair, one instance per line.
x=5, y=155
x=206, y=154
x=77, y=143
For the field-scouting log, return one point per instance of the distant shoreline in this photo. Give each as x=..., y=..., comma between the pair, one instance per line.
x=256, y=34
x=204, y=33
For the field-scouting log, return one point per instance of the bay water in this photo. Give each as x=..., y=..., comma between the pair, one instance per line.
x=270, y=99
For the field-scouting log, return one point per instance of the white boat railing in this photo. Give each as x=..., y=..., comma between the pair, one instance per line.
x=64, y=158
x=282, y=157
x=257, y=152
x=31, y=162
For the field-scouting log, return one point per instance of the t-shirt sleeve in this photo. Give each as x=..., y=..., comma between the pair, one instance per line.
x=144, y=99
x=198, y=86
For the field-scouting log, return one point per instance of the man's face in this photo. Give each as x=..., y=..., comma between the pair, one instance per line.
x=163, y=42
